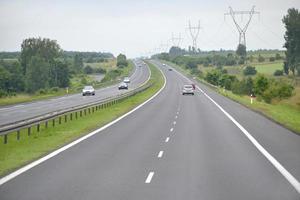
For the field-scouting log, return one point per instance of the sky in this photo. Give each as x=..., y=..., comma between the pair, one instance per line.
x=139, y=27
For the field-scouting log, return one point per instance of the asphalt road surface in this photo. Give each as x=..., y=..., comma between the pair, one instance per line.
x=19, y=112
x=174, y=147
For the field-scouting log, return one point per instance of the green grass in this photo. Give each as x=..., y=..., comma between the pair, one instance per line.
x=281, y=112
x=268, y=68
x=18, y=153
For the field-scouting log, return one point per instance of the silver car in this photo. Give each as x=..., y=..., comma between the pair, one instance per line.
x=188, y=89
x=126, y=80
x=88, y=90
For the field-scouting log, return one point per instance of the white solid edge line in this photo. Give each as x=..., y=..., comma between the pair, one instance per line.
x=54, y=153
x=293, y=181
x=160, y=154
x=167, y=139
x=149, y=177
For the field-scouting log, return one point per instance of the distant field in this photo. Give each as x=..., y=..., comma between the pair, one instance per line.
x=268, y=68
x=111, y=64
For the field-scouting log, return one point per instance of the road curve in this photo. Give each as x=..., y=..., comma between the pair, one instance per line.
x=174, y=147
x=20, y=112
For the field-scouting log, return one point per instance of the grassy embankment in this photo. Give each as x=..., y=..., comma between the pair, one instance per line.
x=18, y=153
x=76, y=84
x=285, y=112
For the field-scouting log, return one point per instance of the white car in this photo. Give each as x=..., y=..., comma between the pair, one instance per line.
x=88, y=90
x=188, y=89
x=123, y=86
x=126, y=80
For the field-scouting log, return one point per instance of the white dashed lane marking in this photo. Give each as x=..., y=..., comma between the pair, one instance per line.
x=160, y=154
x=149, y=177
x=167, y=139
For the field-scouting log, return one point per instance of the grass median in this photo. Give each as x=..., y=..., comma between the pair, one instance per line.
x=17, y=153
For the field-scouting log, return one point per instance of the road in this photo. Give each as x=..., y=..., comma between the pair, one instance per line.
x=20, y=112
x=174, y=147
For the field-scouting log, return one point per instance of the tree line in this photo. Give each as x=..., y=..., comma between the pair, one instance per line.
x=41, y=64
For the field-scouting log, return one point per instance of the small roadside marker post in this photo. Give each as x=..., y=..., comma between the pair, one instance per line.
x=252, y=96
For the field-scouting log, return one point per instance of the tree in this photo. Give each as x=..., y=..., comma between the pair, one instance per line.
x=45, y=48
x=122, y=61
x=77, y=63
x=278, y=72
x=241, y=50
x=292, y=39
x=191, y=64
x=37, y=74
x=61, y=75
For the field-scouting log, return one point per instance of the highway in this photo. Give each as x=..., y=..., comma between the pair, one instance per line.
x=174, y=147
x=25, y=111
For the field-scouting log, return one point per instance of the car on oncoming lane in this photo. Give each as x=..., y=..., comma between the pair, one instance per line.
x=88, y=90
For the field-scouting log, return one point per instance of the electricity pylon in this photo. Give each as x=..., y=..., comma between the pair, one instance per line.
x=176, y=40
x=241, y=29
x=194, y=32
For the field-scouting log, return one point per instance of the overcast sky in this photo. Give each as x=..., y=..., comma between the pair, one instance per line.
x=135, y=27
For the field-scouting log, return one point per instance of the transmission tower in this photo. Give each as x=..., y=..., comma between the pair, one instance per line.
x=176, y=40
x=241, y=29
x=164, y=47
x=194, y=32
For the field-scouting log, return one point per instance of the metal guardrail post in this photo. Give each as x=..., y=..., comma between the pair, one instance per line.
x=66, y=116
x=18, y=135
x=59, y=120
x=38, y=127
x=53, y=122
x=29, y=131
x=5, y=139
x=76, y=115
x=46, y=124
x=71, y=116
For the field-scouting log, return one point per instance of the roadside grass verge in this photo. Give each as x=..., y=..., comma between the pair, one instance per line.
x=285, y=112
x=16, y=153
x=75, y=87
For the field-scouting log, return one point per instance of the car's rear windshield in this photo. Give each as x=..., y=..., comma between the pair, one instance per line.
x=188, y=86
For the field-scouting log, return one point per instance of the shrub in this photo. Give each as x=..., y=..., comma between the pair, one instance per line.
x=213, y=77
x=3, y=93
x=249, y=70
x=261, y=58
x=54, y=89
x=278, y=72
x=100, y=70
x=261, y=83
x=88, y=70
x=42, y=91
x=271, y=59
x=191, y=64
x=226, y=80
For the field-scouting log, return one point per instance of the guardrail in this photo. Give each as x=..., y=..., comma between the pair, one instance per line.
x=69, y=114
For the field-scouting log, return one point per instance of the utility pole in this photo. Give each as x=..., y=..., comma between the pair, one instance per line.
x=176, y=40
x=194, y=32
x=241, y=29
x=164, y=47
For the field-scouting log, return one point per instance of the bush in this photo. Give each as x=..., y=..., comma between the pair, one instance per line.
x=42, y=91
x=213, y=77
x=191, y=64
x=261, y=83
x=226, y=80
x=3, y=93
x=261, y=58
x=196, y=72
x=278, y=72
x=100, y=70
x=54, y=89
x=88, y=70
x=271, y=59
x=244, y=87
x=249, y=70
